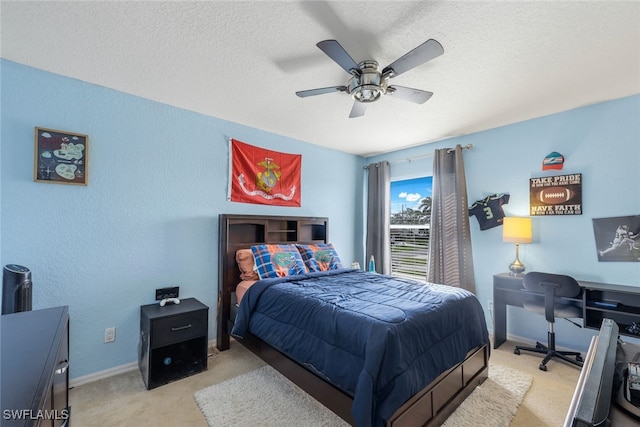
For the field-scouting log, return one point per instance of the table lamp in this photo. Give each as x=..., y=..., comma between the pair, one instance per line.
x=516, y=230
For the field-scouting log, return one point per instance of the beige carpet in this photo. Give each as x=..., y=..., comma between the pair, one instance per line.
x=122, y=400
x=266, y=398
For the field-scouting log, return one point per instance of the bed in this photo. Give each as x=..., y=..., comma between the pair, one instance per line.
x=382, y=377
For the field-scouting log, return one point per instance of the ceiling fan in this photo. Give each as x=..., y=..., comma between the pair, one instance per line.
x=367, y=84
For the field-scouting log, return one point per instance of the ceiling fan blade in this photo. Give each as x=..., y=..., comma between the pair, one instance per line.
x=320, y=91
x=421, y=54
x=409, y=94
x=335, y=51
x=325, y=16
x=358, y=109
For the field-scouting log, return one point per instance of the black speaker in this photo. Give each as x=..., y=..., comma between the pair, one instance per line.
x=16, y=289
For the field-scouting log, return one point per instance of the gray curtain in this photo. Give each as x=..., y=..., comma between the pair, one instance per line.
x=379, y=217
x=450, y=258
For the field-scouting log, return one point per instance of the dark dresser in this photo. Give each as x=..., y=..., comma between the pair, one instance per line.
x=34, y=363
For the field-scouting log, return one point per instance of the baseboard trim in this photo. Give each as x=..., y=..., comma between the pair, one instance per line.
x=116, y=370
x=100, y=375
x=529, y=342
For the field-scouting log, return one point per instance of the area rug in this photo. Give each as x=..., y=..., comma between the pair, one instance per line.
x=493, y=403
x=266, y=398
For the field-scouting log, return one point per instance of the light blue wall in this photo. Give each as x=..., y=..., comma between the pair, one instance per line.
x=149, y=216
x=158, y=178
x=600, y=141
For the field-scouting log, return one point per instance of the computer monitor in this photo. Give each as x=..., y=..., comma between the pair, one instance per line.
x=591, y=400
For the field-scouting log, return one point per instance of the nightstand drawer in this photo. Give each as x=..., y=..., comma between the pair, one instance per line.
x=175, y=329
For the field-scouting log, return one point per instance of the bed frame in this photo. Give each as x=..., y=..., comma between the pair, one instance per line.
x=430, y=407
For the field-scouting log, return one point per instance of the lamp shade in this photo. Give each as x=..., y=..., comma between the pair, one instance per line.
x=516, y=230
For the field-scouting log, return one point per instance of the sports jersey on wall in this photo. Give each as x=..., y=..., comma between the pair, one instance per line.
x=488, y=211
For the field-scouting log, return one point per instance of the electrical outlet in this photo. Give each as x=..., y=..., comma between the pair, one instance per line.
x=109, y=334
x=490, y=306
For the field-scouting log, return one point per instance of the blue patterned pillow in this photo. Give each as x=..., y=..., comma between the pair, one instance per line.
x=278, y=260
x=320, y=257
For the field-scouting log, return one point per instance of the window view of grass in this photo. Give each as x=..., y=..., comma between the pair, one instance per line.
x=409, y=248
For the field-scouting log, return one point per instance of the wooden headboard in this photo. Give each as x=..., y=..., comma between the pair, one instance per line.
x=243, y=231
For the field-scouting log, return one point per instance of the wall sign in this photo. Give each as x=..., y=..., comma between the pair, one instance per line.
x=556, y=195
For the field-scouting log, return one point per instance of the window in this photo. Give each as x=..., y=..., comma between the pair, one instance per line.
x=410, y=217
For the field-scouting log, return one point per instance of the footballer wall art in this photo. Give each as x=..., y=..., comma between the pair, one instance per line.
x=618, y=238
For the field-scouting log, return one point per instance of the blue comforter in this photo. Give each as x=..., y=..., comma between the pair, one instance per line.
x=379, y=338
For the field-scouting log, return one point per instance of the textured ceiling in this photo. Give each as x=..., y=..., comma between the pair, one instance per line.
x=243, y=61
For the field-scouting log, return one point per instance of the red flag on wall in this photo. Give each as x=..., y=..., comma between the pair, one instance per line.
x=264, y=176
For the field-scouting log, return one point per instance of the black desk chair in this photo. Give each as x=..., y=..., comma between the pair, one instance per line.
x=552, y=286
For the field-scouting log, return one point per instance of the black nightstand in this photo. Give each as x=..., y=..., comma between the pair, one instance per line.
x=173, y=341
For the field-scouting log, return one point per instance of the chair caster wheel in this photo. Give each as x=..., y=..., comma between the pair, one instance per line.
x=543, y=367
x=539, y=346
x=579, y=358
x=516, y=351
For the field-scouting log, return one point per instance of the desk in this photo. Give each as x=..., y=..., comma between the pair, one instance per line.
x=597, y=300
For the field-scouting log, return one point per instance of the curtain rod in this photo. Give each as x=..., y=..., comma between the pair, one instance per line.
x=422, y=156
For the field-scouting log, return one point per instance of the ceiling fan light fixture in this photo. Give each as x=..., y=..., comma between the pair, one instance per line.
x=369, y=85
x=367, y=93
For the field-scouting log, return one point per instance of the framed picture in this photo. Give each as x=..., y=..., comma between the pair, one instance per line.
x=618, y=238
x=60, y=157
x=556, y=195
